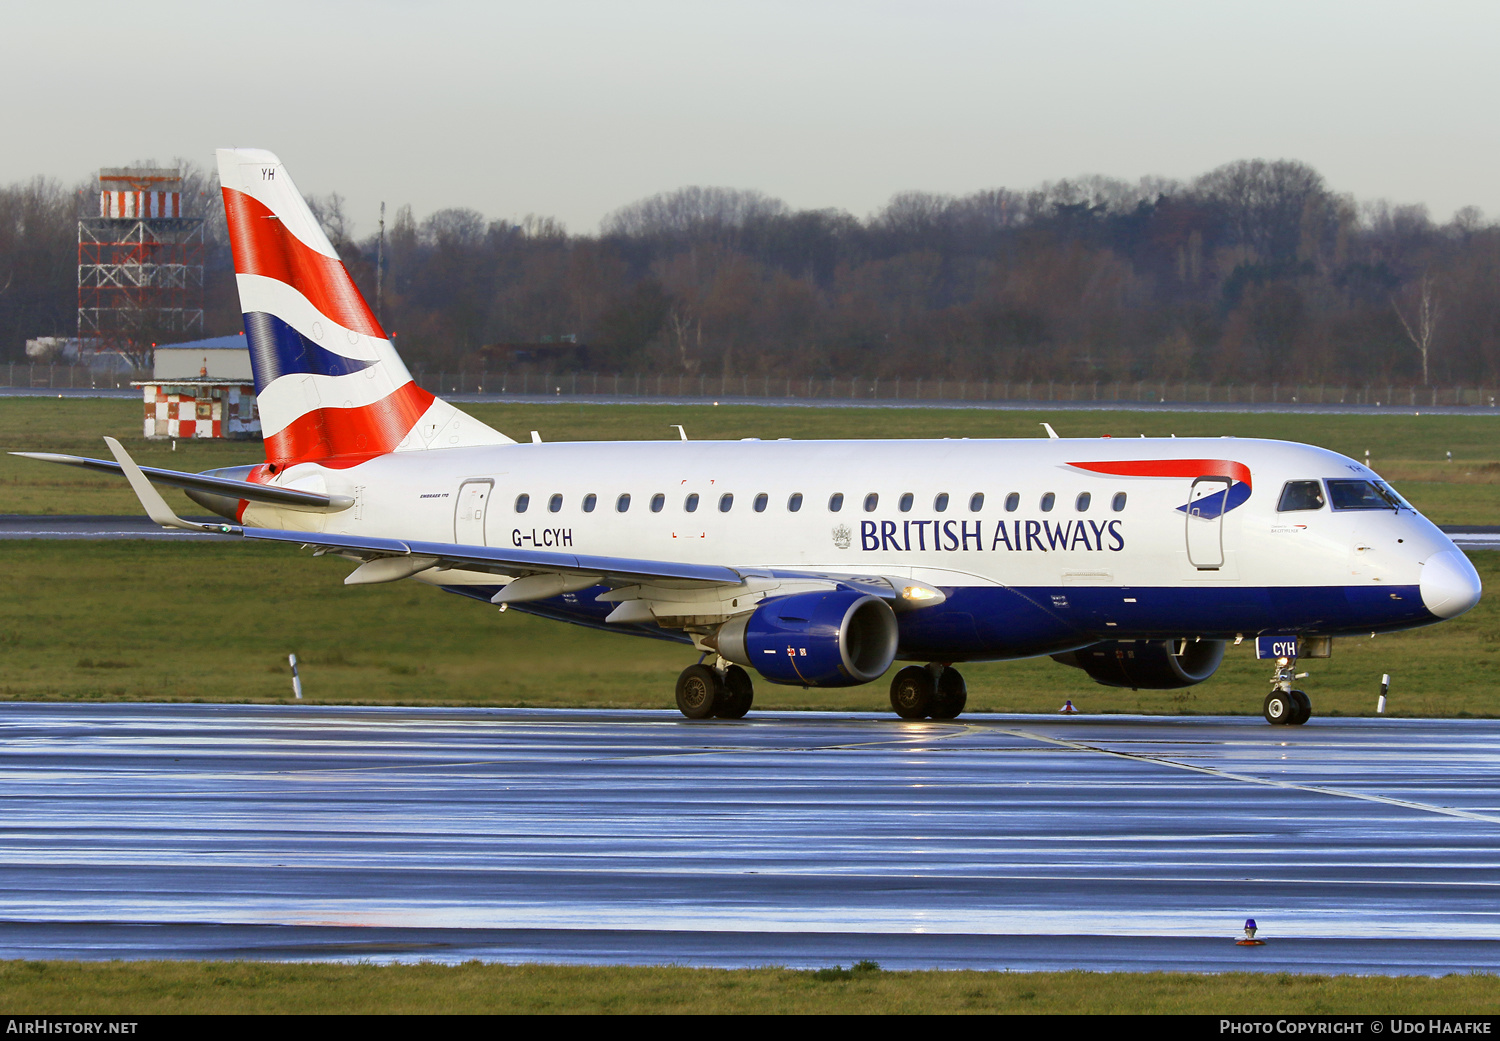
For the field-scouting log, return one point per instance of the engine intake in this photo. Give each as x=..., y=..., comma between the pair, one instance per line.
x=1146, y=664
x=835, y=639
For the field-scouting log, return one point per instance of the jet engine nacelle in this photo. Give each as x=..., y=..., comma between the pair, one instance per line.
x=834, y=639
x=1147, y=664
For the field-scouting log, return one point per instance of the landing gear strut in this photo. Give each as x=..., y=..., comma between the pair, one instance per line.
x=704, y=691
x=1285, y=706
x=935, y=690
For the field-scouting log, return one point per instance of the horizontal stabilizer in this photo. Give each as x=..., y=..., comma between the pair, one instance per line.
x=270, y=494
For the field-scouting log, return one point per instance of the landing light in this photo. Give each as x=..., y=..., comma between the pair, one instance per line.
x=919, y=593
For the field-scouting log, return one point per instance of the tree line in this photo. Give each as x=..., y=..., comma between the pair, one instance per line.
x=1255, y=271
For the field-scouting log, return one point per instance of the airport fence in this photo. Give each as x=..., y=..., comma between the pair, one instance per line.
x=67, y=377
x=662, y=386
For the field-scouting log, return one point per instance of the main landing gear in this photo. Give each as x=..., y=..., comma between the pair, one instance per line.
x=704, y=691
x=935, y=690
x=1285, y=706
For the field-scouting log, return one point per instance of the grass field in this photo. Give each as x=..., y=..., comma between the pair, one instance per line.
x=152, y=621
x=144, y=988
x=1409, y=450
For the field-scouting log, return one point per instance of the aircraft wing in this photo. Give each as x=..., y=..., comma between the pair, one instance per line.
x=500, y=560
x=286, y=498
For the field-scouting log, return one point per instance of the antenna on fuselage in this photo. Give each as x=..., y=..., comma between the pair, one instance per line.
x=1050, y=432
x=536, y=437
x=681, y=432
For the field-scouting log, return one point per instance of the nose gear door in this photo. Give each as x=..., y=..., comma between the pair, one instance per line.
x=1205, y=522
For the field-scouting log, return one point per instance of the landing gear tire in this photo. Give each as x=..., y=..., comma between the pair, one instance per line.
x=699, y=691
x=913, y=692
x=1303, y=706
x=1279, y=708
x=951, y=696
x=738, y=693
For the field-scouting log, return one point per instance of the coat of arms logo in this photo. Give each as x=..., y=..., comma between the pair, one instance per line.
x=842, y=536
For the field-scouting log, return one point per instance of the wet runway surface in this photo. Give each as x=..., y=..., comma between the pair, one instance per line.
x=1013, y=842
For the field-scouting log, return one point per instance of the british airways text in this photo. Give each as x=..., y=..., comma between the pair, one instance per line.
x=1016, y=536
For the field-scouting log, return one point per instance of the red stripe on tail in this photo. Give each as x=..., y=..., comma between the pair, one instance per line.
x=263, y=246
x=343, y=437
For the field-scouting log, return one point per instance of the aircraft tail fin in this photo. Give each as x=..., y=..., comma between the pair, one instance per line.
x=330, y=386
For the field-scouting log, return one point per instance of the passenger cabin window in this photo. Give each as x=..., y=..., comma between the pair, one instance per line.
x=906, y=501
x=1012, y=502
x=794, y=503
x=657, y=502
x=760, y=502
x=871, y=501
x=622, y=503
x=976, y=502
x=835, y=502
x=554, y=504
x=726, y=502
x=940, y=504
x=1363, y=495
x=589, y=502
x=690, y=504
x=1118, y=503
x=1048, y=501
x=522, y=502
x=1081, y=504
x=1302, y=495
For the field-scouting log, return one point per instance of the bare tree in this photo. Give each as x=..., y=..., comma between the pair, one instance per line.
x=1267, y=206
x=1428, y=311
x=682, y=324
x=691, y=210
x=330, y=215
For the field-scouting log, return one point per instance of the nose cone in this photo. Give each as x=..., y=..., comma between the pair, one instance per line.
x=1450, y=585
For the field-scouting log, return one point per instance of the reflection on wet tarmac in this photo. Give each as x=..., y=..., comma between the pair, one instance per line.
x=798, y=838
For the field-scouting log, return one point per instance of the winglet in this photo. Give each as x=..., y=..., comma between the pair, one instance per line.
x=156, y=507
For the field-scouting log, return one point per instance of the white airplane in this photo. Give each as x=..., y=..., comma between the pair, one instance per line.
x=817, y=564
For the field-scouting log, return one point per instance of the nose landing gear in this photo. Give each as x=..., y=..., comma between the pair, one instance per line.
x=1285, y=706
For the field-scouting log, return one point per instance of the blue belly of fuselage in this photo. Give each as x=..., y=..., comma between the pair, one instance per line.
x=996, y=622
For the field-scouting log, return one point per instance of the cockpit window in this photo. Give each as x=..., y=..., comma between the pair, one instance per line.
x=1300, y=495
x=1363, y=495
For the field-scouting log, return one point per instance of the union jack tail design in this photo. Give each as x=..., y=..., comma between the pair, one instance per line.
x=330, y=386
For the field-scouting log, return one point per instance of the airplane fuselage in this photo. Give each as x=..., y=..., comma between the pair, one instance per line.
x=1034, y=544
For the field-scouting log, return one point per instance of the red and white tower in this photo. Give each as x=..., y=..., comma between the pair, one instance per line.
x=140, y=265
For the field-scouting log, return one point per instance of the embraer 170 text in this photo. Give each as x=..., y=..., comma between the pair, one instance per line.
x=817, y=564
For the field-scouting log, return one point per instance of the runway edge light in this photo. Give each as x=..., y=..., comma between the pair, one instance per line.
x=1250, y=940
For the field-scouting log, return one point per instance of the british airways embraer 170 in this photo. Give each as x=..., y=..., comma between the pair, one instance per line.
x=817, y=564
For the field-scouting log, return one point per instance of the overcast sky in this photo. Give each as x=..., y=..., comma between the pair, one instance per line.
x=571, y=109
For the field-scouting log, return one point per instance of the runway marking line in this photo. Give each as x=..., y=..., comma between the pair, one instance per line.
x=1268, y=782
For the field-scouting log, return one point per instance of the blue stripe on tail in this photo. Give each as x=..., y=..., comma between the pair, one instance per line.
x=276, y=350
